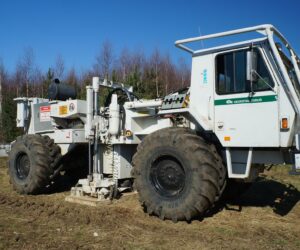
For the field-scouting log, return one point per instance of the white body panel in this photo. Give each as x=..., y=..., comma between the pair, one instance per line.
x=69, y=109
x=201, y=99
x=286, y=111
x=247, y=124
x=141, y=120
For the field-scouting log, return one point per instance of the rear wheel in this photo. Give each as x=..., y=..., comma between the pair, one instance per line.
x=32, y=162
x=178, y=175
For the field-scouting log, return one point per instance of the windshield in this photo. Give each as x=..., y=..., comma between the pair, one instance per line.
x=291, y=71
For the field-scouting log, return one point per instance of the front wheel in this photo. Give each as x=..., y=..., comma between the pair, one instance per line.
x=177, y=174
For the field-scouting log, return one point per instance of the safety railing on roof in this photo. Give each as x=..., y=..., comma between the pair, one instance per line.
x=269, y=31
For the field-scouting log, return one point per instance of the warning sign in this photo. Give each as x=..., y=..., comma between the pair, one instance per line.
x=63, y=110
x=45, y=113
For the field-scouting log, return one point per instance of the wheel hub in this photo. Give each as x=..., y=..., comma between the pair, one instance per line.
x=167, y=176
x=22, y=166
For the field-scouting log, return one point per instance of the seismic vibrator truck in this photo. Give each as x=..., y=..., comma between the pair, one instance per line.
x=240, y=113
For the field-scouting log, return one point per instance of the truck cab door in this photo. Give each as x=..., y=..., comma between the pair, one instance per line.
x=245, y=113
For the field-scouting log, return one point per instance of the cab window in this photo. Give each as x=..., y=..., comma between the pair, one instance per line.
x=231, y=74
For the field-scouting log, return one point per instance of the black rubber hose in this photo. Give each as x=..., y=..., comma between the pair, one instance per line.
x=130, y=95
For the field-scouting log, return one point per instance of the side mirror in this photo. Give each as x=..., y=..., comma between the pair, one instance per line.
x=251, y=66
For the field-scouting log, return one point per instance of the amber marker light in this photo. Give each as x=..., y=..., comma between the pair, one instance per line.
x=284, y=123
x=227, y=138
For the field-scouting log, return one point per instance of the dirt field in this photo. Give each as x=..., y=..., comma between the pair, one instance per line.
x=266, y=217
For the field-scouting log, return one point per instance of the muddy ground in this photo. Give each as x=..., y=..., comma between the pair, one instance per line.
x=266, y=217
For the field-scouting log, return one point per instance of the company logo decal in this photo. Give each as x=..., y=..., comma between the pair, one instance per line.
x=246, y=100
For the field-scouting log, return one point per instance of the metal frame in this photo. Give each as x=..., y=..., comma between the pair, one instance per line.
x=269, y=31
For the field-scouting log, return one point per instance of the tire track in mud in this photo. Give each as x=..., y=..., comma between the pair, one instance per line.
x=113, y=223
x=69, y=213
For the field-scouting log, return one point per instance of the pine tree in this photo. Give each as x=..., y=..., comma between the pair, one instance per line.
x=47, y=80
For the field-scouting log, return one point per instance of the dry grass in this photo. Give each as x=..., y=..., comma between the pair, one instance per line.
x=266, y=217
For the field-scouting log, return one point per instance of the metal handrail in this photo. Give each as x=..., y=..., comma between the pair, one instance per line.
x=260, y=29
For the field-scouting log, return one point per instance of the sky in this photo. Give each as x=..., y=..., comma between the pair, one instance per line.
x=75, y=29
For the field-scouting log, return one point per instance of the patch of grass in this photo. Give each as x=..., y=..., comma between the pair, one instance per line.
x=225, y=231
x=281, y=173
x=3, y=162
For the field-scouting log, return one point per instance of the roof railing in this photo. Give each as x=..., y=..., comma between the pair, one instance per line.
x=261, y=29
x=270, y=32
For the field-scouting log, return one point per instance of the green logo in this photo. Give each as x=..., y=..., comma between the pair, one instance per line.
x=246, y=100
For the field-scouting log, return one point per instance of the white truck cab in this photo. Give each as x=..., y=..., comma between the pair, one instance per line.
x=247, y=95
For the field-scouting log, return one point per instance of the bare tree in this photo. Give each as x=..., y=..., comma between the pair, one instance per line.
x=155, y=61
x=25, y=68
x=37, y=78
x=124, y=61
x=71, y=77
x=59, y=67
x=0, y=96
x=183, y=73
x=167, y=68
x=138, y=59
x=1, y=77
x=104, y=60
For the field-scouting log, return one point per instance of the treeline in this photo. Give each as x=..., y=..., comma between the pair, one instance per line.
x=151, y=76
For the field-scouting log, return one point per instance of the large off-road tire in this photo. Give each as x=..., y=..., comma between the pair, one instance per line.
x=32, y=162
x=178, y=175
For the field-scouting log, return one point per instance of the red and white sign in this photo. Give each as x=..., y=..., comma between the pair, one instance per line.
x=45, y=113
